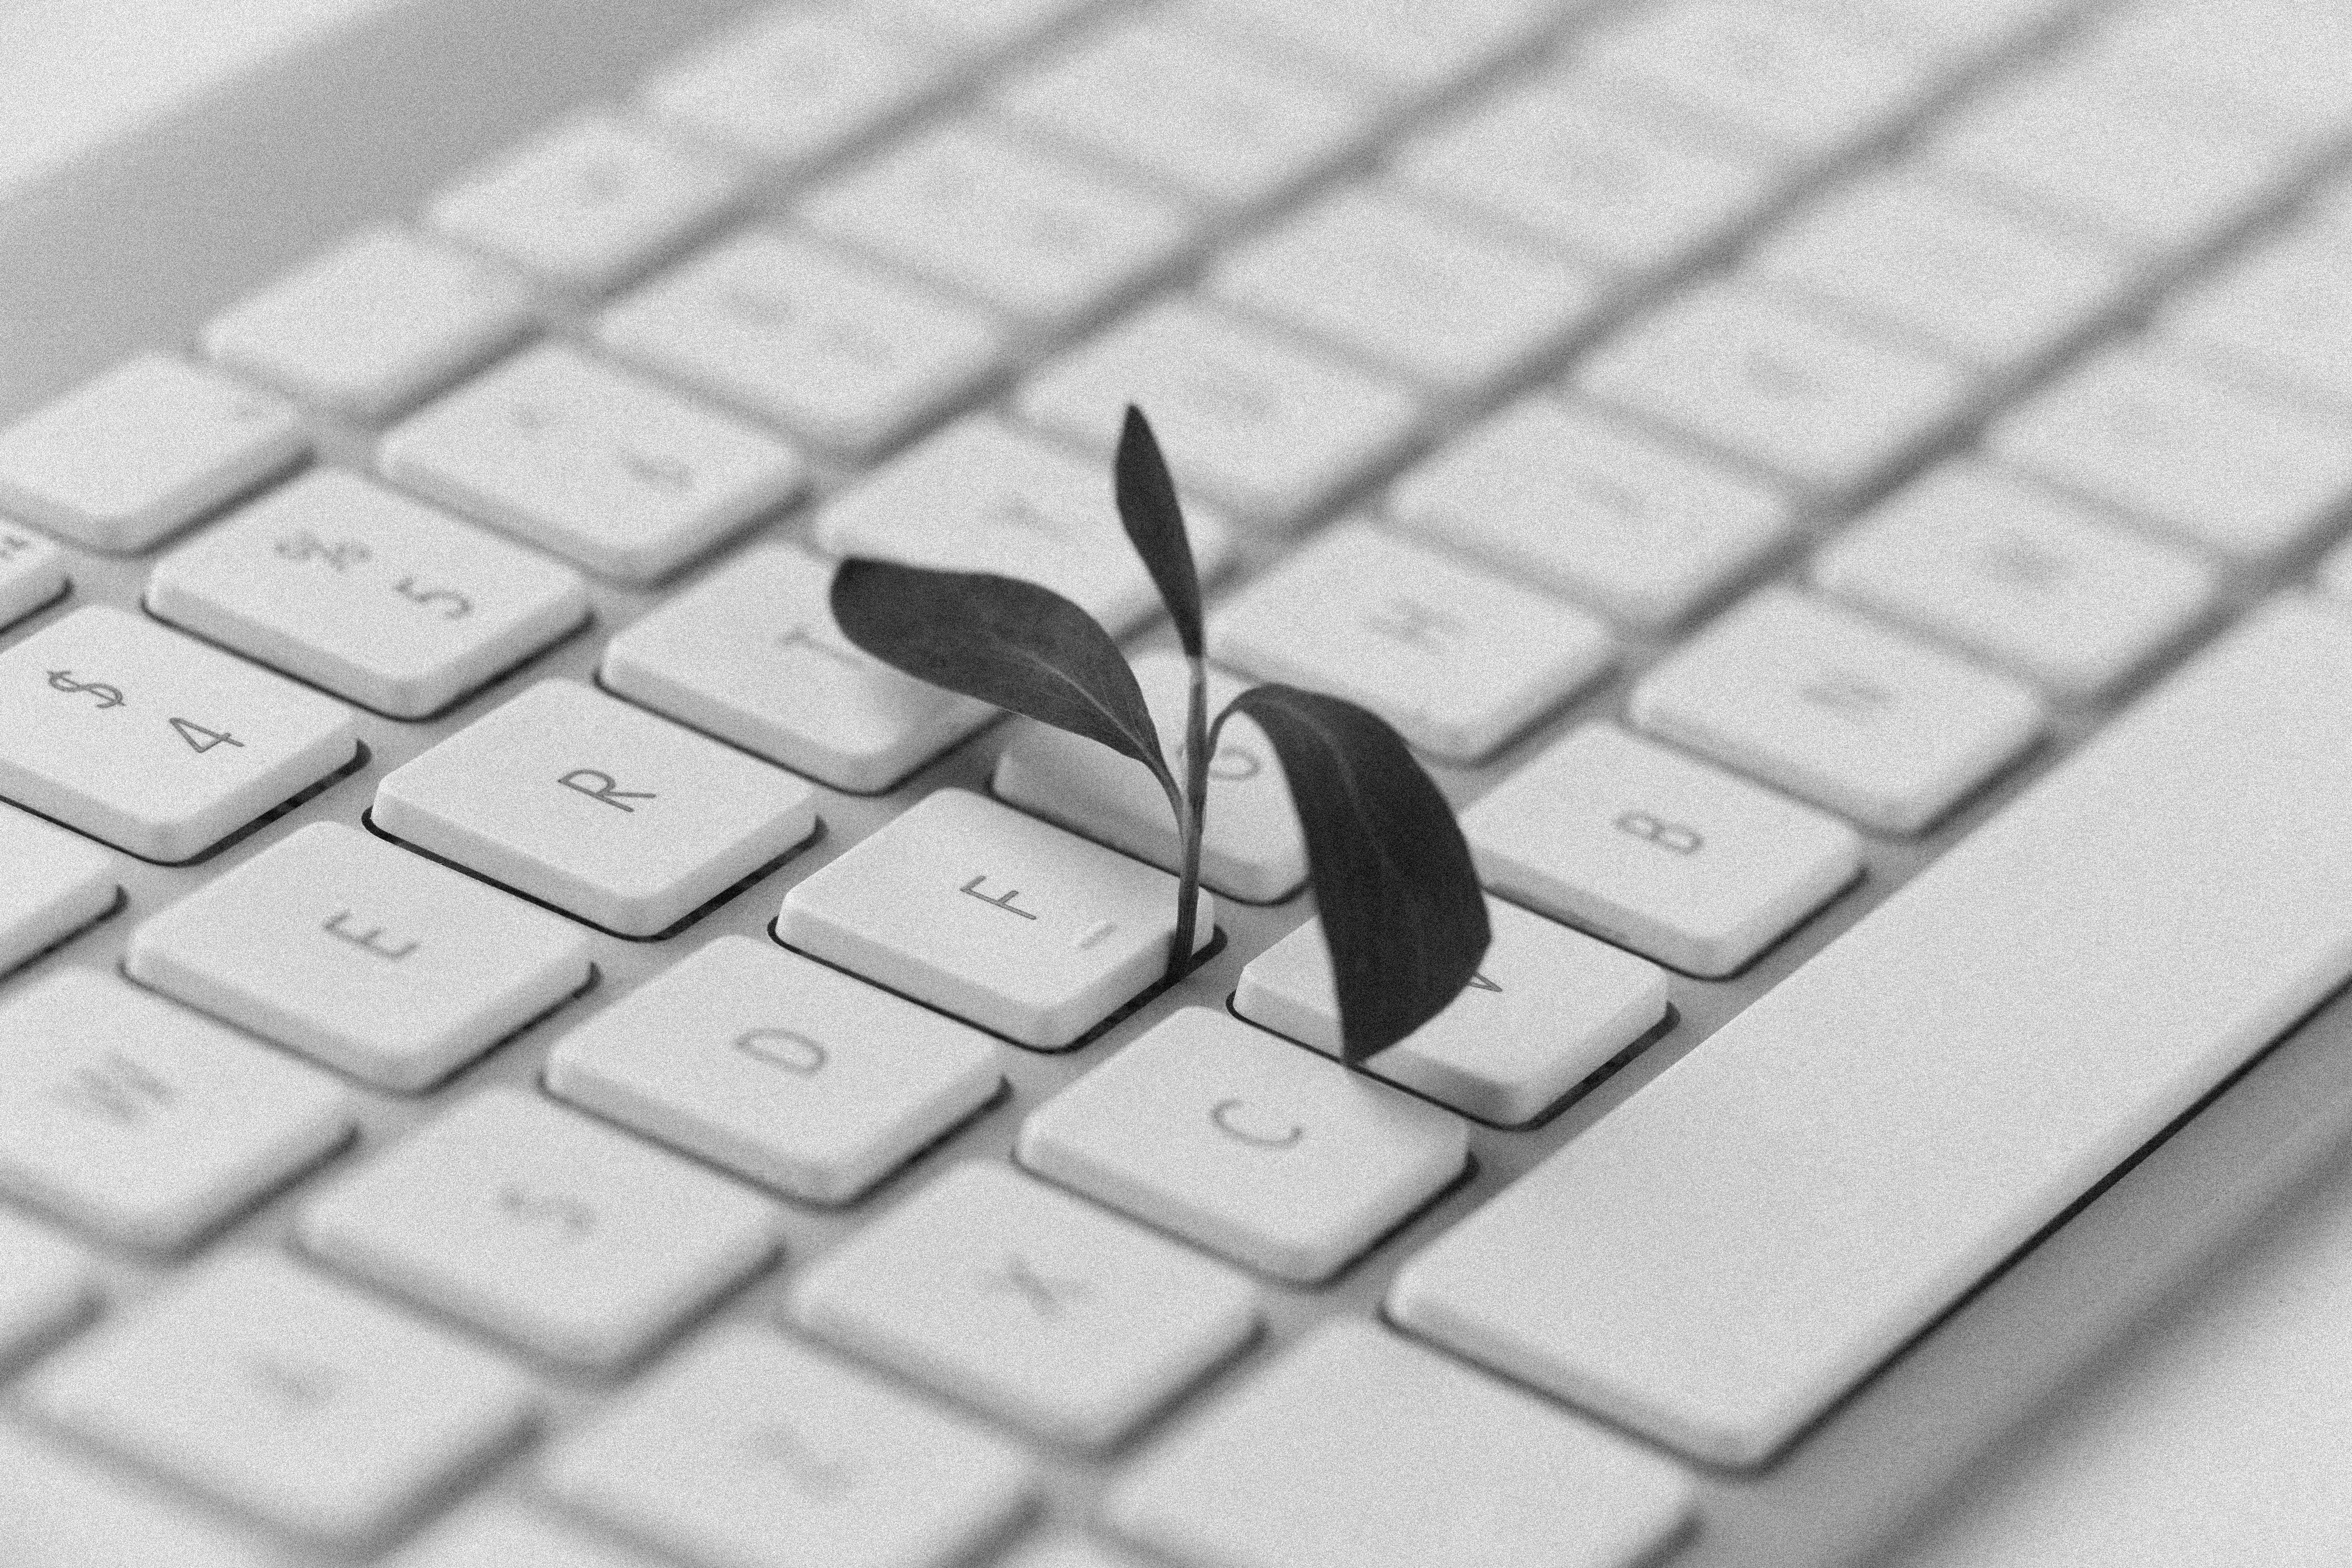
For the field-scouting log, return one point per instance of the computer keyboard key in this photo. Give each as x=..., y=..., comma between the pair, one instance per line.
x=32, y=572
x=87, y=1518
x=2050, y=589
x=1458, y=660
x=590, y=203
x=1006, y=218
x=2280, y=58
x=384, y=319
x=834, y=348
x=1647, y=847
x=1036, y=1307
x=152, y=741
x=286, y=1396
x=56, y=883
x=1251, y=846
x=1023, y=507
x=1230, y=126
x=1601, y=184
x=142, y=451
x=1723, y=1257
x=795, y=87
x=1253, y=1148
x=1001, y=920
x=1898, y=252
x=1772, y=384
x=1399, y=46
x=46, y=1284
x=501, y=1533
x=1956, y=33
x=1358, y=1448
x=591, y=462
x=519, y=1217
x=1258, y=422
x=602, y=810
x=778, y=1069
x=1643, y=530
x=1835, y=710
x=751, y=1449
x=1449, y=304
x=1547, y=1008
x=2218, y=464
x=979, y=27
x=143, y=1123
x=752, y=654
x=363, y=956
x=2283, y=311
x=382, y=600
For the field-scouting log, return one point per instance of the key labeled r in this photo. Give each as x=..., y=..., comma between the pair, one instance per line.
x=599, y=785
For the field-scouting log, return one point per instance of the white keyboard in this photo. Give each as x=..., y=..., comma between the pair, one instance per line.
x=519, y=1045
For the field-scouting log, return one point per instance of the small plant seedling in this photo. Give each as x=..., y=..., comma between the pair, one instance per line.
x=1403, y=913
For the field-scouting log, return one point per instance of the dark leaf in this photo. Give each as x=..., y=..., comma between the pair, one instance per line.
x=1155, y=526
x=1401, y=910
x=1004, y=641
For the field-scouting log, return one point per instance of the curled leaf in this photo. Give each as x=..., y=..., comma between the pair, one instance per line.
x=1401, y=910
x=1154, y=520
x=1004, y=641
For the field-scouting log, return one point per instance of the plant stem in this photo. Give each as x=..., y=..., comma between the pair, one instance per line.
x=1190, y=818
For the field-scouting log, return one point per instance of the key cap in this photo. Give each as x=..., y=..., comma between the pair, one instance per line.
x=1229, y=128
x=831, y=349
x=145, y=1122
x=498, y=1533
x=590, y=204
x=1035, y=1307
x=84, y=1518
x=1382, y=278
x=606, y=812
x=1665, y=855
x=2283, y=311
x=1559, y=496
x=383, y=600
x=361, y=956
x=1251, y=845
x=1395, y=46
x=284, y=1394
x=141, y=452
x=1458, y=660
x=153, y=742
x=794, y=86
x=1024, y=508
x=1254, y=1149
x=1956, y=33
x=1358, y=1448
x=980, y=27
x=1832, y=710
x=1823, y=407
x=1903, y=253
x=991, y=213
x=997, y=918
x=749, y=1448
x=2009, y=570
x=752, y=655
x=32, y=572
x=1548, y=1008
x=2280, y=58
x=777, y=1068
x=540, y=1227
x=57, y=884
x=46, y=1285
x=593, y=464
x=2216, y=464
x=1592, y=178
x=1762, y=76
x=1854, y=1187
x=1270, y=429
x=382, y=320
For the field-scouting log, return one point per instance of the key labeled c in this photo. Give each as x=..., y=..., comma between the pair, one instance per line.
x=786, y=1049
x=1227, y=1116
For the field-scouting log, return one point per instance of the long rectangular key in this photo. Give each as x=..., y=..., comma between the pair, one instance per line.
x=1722, y=1257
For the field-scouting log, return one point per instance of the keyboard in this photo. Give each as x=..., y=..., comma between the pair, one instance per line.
x=519, y=1045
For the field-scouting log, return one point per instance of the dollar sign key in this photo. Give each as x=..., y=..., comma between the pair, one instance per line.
x=107, y=696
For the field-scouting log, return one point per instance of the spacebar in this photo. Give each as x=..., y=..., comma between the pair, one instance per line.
x=1721, y=1257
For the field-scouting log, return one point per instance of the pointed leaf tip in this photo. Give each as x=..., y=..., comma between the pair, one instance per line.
x=1154, y=520
x=1401, y=910
x=1004, y=641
